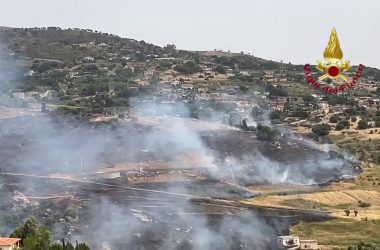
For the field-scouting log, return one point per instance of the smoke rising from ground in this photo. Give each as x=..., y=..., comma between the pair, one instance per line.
x=52, y=144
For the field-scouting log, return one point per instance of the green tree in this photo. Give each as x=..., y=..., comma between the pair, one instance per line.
x=339, y=127
x=35, y=236
x=321, y=129
x=342, y=124
x=220, y=69
x=334, y=119
x=266, y=133
x=309, y=98
x=377, y=121
x=364, y=246
x=188, y=68
x=82, y=246
x=362, y=124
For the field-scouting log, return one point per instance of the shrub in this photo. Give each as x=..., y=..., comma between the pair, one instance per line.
x=334, y=119
x=220, y=69
x=339, y=127
x=188, y=68
x=362, y=124
x=321, y=129
x=364, y=204
x=266, y=133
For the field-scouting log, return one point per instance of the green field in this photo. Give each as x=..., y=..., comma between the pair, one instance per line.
x=340, y=232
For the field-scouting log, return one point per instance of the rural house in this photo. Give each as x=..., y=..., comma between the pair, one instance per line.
x=9, y=243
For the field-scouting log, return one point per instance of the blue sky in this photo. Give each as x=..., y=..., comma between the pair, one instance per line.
x=294, y=30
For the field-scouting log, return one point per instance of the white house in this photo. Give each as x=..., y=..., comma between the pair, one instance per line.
x=89, y=59
x=288, y=242
x=175, y=83
x=245, y=73
x=29, y=73
x=187, y=86
x=9, y=243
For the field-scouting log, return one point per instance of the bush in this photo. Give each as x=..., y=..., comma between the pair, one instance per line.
x=354, y=119
x=377, y=122
x=188, y=68
x=347, y=212
x=334, y=119
x=339, y=127
x=321, y=129
x=364, y=204
x=363, y=246
x=220, y=69
x=362, y=124
x=266, y=133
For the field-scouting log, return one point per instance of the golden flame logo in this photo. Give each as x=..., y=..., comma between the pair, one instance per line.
x=333, y=55
x=333, y=52
x=333, y=68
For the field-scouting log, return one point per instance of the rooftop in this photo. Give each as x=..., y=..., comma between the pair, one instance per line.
x=8, y=241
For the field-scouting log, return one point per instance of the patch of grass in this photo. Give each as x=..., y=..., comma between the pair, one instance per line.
x=305, y=204
x=347, y=206
x=369, y=179
x=339, y=232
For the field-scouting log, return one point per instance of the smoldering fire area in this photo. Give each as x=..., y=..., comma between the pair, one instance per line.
x=154, y=182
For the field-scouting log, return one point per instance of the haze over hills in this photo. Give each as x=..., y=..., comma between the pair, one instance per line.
x=124, y=144
x=115, y=62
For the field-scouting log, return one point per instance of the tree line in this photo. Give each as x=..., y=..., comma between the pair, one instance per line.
x=38, y=237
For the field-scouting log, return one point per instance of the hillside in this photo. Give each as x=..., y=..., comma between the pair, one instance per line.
x=142, y=121
x=94, y=71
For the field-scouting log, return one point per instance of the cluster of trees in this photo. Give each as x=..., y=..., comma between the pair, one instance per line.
x=220, y=69
x=266, y=133
x=362, y=124
x=188, y=68
x=334, y=100
x=348, y=212
x=341, y=123
x=37, y=237
x=364, y=246
x=277, y=91
x=227, y=61
x=321, y=129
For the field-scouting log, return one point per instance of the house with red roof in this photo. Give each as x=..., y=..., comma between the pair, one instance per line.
x=9, y=243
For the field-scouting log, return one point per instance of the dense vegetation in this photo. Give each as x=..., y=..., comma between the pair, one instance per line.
x=37, y=237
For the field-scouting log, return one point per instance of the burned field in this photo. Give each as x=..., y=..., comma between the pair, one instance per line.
x=138, y=186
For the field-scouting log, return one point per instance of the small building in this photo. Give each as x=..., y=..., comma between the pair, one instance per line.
x=88, y=59
x=187, y=86
x=29, y=73
x=175, y=83
x=294, y=100
x=288, y=242
x=9, y=243
x=278, y=106
x=269, y=73
x=309, y=244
